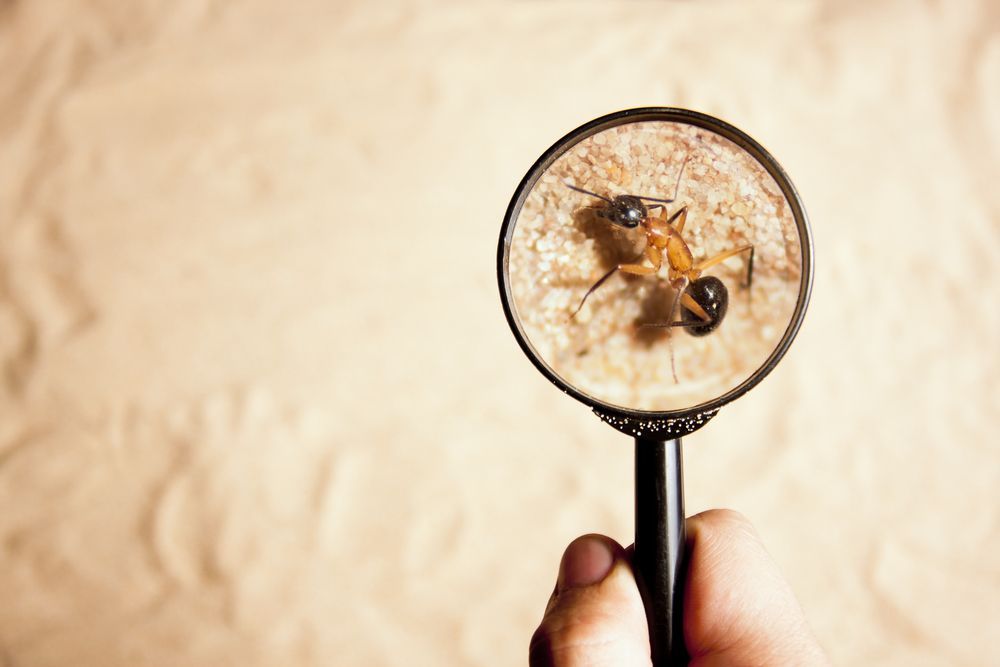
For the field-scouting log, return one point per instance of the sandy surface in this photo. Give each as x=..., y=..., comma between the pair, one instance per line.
x=258, y=401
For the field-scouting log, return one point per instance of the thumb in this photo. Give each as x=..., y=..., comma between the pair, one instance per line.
x=738, y=608
x=595, y=615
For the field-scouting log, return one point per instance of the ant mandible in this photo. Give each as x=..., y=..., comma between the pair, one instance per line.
x=705, y=298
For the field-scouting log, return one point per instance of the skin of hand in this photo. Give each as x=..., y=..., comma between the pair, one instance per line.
x=738, y=608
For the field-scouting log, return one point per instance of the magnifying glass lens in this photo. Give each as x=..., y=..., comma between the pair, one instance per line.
x=654, y=264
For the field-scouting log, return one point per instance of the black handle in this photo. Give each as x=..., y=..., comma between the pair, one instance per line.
x=659, y=545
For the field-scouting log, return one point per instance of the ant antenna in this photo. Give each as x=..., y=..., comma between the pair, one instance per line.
x=665, y=201
x=677, y=185
x=587, y=192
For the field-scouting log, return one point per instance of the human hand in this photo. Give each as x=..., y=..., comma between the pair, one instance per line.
x=738, y=609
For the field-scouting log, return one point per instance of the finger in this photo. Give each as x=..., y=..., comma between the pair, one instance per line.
x=595, y=617
x=738, y=608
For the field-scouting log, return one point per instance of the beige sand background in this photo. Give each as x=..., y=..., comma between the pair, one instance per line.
x=259, y=405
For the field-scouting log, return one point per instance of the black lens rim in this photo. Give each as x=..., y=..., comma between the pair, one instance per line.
x=707, y=409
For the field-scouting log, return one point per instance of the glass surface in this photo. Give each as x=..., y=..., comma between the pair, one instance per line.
x=615, y=348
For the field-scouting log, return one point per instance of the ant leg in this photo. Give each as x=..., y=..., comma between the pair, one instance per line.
x=749, y=281
x=671, y=325
x=681, y=217
x=655, y=258
x=600, y=281
x=688, y=302
x=722, y=256
x=726, y=255
x=632, y=268
x=691, y=305
x=679, y=285
x=750, y=269
x=638, y=269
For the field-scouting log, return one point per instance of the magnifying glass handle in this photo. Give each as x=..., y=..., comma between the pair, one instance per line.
x=659, y=545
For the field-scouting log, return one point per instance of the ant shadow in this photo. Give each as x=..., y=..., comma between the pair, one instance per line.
x=655, y=309
x=613, y=246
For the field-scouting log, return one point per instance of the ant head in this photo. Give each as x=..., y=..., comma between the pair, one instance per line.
x=711, y=294
x=626, y=211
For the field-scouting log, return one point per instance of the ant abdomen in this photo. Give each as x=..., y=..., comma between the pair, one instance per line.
x=711, y=294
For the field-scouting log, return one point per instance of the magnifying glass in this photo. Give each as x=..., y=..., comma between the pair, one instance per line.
x=655, y=264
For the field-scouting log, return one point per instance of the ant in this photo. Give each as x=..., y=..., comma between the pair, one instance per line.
x=705, y=299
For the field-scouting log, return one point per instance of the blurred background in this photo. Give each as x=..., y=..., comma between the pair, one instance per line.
x=258, y=401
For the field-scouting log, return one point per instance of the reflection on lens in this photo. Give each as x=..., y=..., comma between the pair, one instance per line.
x=654, y=338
